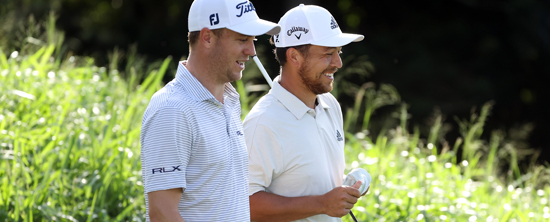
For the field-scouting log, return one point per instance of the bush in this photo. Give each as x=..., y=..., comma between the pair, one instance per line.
x=69, y=149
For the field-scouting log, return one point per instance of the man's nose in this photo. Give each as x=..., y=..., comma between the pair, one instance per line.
x=250, y=50
x=336, y=60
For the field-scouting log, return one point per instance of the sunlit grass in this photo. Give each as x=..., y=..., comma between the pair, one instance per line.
x=69, y=139
x=69, y=151
x=413, y=182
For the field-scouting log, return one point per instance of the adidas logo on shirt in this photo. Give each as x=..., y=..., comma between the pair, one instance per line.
x=339, y=136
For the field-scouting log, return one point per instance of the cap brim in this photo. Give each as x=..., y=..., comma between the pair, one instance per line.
x=256, y=27
x=339, y=40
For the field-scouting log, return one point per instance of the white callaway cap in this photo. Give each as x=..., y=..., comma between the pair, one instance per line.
x=311, y=24
x=237, y=15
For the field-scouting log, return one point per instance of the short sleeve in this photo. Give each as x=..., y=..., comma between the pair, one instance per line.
x=166, y=147
x=265, y=160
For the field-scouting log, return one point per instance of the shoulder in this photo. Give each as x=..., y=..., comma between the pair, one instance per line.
x=266, y=112
x=267, y=109
x=330, y=100
x=170, y=102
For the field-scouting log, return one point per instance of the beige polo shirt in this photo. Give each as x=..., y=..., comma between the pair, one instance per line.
x=294, y=150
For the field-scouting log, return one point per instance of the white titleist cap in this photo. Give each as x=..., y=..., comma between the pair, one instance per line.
x=311, y=24
x=237, y=15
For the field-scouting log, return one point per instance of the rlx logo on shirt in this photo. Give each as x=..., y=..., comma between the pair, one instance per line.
x=166, y=169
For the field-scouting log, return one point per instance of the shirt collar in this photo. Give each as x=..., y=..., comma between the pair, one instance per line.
x=197, y=91
x=291, y=102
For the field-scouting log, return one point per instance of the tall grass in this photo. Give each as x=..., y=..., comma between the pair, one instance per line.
x=414, y=182
x=69, y=148
x=70, y=139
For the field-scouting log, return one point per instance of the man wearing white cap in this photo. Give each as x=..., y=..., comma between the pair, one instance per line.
x=194, y=159
x=294, y=134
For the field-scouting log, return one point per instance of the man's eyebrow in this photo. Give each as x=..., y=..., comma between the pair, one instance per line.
x=333, y=48
x=246, y=36
x=249, y=36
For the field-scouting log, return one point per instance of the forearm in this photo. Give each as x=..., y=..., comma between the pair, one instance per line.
x=163, y=216
x=163, y=205
x=271, y=207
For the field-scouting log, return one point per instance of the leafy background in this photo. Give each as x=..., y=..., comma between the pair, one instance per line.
x=444, y=104
x=443, y=57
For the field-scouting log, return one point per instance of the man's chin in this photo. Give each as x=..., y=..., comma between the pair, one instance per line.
x=323, y=90
x=328, y=88
x=235, y=76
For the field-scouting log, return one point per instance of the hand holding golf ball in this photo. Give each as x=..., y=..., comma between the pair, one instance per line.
x=358, y=175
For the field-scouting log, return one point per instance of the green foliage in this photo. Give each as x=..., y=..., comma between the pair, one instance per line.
x=413, y=183
x=70, y=139
x=69, y=147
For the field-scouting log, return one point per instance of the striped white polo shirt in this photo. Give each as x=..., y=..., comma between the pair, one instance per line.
x=190, y=140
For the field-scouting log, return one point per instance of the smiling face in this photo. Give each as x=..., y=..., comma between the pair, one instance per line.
x=229, y=54
x=317, y=72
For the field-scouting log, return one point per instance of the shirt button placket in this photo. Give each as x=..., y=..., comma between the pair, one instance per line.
x=227, y=116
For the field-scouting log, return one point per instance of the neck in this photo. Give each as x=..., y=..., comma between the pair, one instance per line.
x=199, y=68
x=293, y=83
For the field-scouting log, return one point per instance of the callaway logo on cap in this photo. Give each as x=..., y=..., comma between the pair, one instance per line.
x=311, y=24
x=237, y=15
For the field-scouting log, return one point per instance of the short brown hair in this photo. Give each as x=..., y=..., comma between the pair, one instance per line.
x=192, y=37
x=280, y=52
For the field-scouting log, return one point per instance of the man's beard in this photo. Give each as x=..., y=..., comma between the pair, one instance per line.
x=314, y=84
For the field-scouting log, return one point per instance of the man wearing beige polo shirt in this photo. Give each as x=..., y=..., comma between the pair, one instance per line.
x=294, y=134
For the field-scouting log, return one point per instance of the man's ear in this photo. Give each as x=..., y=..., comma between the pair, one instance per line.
x=207, y=38
x=294, y=57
